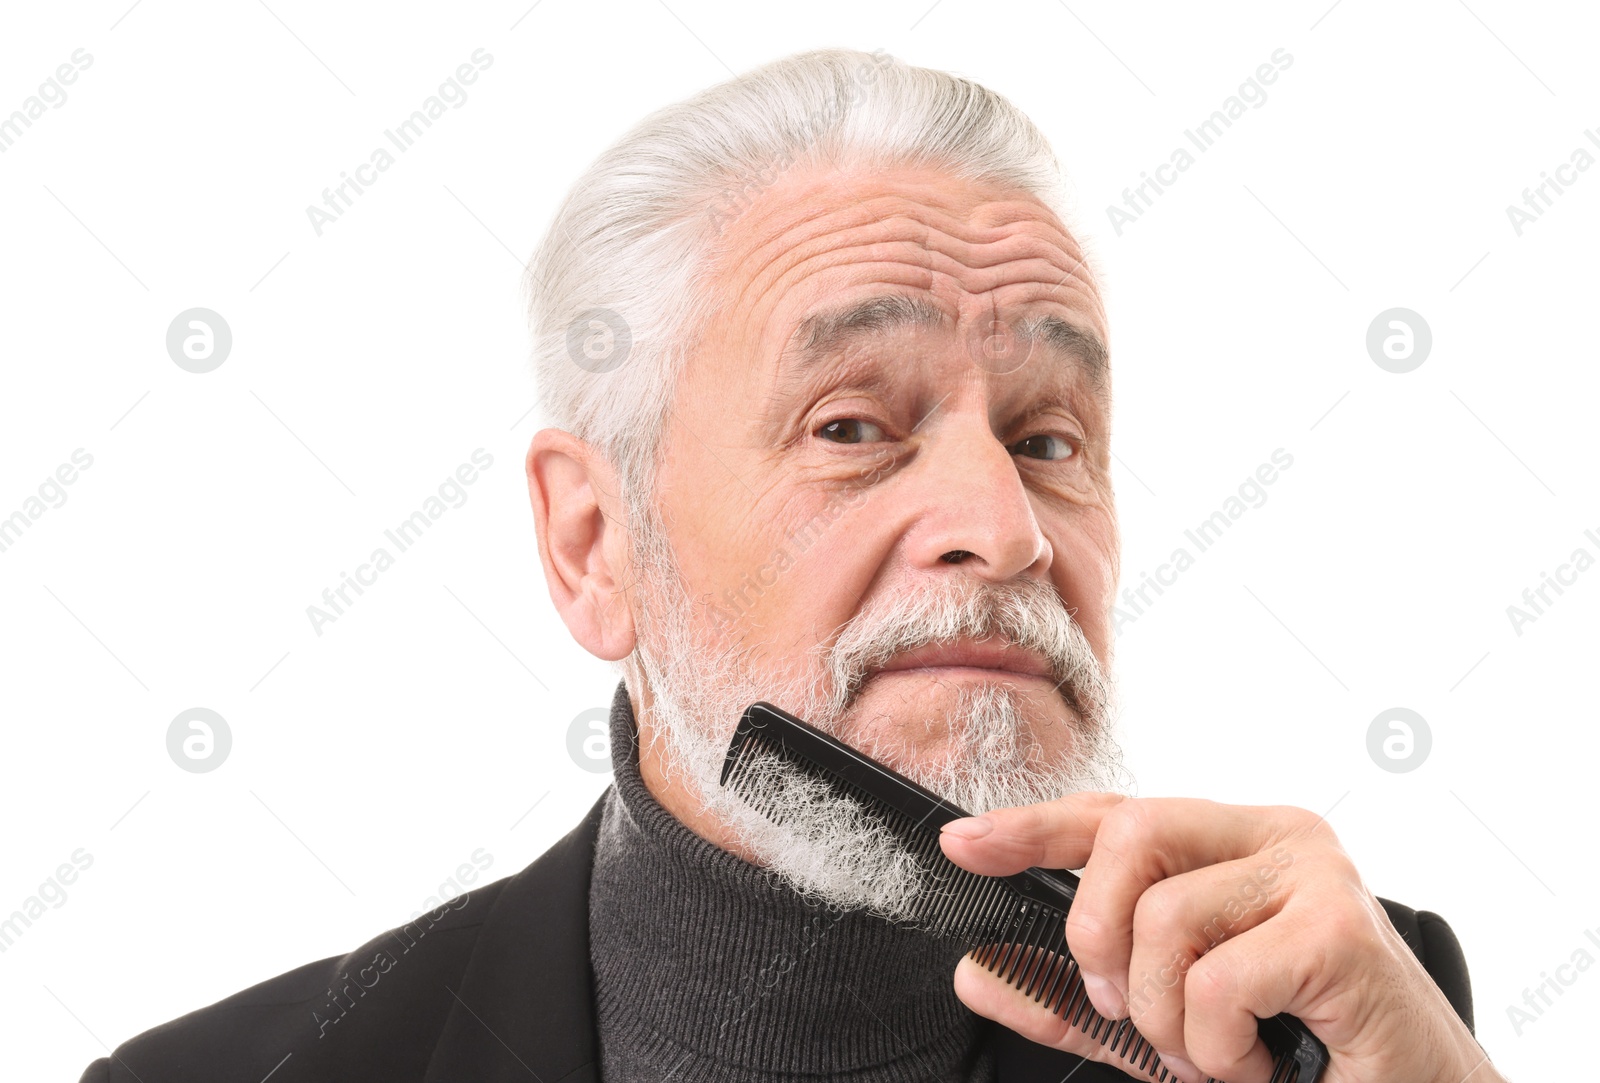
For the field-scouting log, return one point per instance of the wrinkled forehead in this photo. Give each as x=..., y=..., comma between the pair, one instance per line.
x=813, y=252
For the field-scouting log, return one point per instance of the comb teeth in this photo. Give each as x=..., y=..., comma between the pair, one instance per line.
x=1014, y=926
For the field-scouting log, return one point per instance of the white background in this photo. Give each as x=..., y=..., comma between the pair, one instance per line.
x=369, y=762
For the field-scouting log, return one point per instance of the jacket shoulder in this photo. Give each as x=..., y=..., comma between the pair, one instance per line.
x=375, y=1013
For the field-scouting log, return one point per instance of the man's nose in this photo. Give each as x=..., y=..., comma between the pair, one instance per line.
x=975, y=510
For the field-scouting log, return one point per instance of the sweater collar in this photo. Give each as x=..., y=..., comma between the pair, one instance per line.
x=702, y=958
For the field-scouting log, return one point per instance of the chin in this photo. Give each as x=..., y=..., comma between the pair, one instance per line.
x=937, y=728
x=923, y=708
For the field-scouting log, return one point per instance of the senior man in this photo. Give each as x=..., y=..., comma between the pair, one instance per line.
x=832, y=393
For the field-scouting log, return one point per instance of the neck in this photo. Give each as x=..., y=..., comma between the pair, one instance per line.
x=670, y=788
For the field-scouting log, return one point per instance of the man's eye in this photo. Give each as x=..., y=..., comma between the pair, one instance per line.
x=1044, y=446
x=850, y=430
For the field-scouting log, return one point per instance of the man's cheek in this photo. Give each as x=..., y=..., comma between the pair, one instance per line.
x=1084, y=572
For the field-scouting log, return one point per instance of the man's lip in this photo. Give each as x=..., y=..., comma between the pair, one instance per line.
x=991, y=655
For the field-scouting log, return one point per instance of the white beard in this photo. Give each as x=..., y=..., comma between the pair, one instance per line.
x=823, y=845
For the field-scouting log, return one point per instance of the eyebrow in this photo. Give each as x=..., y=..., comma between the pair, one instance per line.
x=822, y=334
x=1073, y=341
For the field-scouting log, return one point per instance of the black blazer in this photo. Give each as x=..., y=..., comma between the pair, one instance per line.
x=495, y=987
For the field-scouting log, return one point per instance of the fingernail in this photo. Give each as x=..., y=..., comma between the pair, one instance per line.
x=1182, y=1069
x=970, y=827
x=1105, y=997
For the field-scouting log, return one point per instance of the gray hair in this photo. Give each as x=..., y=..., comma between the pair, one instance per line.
x=617, y=291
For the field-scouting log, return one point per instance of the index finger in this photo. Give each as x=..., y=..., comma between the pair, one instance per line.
x=1056, y=834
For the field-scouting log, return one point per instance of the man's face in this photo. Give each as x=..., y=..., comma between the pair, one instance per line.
x=866, y=420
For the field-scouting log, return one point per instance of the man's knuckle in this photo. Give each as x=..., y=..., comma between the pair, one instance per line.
x=1344, y=922
x=1208, y=986
x=1218, y=1064
x=1126, y=824
x=1087, y=938
x=1159, y=913
x=1034, y=820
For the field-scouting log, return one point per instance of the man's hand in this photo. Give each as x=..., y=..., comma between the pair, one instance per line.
x=1194, y=919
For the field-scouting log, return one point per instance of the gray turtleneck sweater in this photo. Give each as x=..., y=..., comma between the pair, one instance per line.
x=707, y=968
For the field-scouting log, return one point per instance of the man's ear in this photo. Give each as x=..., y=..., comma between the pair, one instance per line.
x=582, y=541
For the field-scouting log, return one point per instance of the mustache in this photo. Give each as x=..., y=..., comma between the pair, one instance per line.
x=1029, y=613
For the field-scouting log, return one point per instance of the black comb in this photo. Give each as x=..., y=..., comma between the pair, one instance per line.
x=1014, y=925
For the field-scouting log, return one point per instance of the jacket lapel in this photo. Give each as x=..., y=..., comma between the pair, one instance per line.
x=525, y=1008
